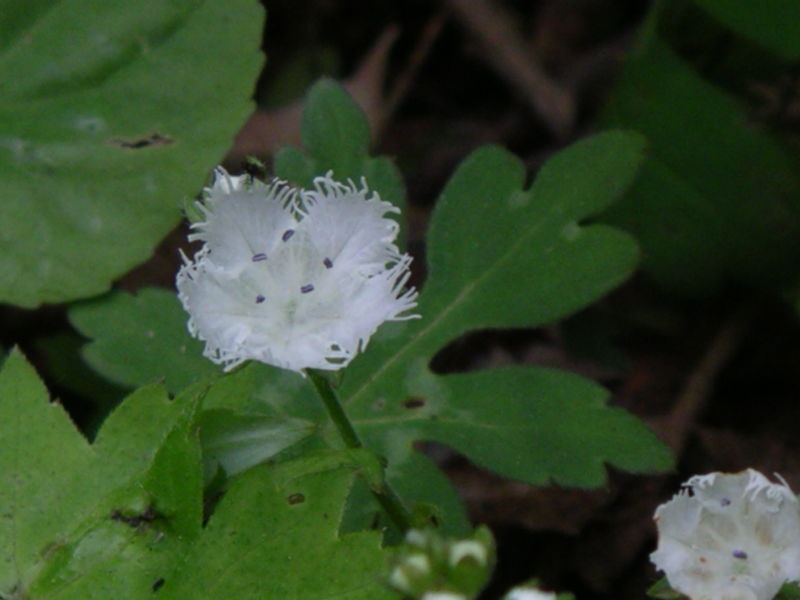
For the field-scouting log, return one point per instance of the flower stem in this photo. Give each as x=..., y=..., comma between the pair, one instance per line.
x=386, y=496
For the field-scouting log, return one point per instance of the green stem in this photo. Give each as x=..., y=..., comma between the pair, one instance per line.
x=386, y=496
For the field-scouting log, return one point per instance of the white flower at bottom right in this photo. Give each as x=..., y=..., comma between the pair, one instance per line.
x=729, y=537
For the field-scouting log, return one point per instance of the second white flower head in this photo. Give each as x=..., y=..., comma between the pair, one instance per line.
x=729, y=537
x=291, y=277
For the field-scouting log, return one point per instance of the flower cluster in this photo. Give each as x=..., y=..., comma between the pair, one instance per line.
x=429, y=566
x=729, y=537
x=296, y=278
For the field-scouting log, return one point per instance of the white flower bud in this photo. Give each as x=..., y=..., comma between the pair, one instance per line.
x=471, y=548
x=290, y=277
x=528, y=593
x=443, y=596
x=729, y=537
x=412, y=573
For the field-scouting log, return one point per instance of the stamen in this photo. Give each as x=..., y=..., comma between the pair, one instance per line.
x=287, y=234
x=739, y=554
x=307, y=288
x=260, y=299
x=328, y=263
x=259, y=257
x=725, y=502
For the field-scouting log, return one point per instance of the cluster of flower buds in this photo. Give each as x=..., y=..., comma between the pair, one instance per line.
x=428, y=566
x=729, y=537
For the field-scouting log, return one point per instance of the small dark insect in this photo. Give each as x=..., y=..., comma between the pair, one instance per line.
x=414, y=402
x=152, y=140
x=254, y=167
x=135, y=520
x=158, y=583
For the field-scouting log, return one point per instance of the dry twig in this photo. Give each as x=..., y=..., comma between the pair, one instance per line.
x=508, y=55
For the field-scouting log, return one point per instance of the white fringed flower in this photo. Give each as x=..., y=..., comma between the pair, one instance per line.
x=729, y=537
x=291, y=277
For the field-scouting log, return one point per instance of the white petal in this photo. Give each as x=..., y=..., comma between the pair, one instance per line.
x=294, y=279
x=244, y=219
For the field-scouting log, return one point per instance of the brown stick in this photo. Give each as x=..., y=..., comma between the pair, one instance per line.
x=696, y=393
x=507, y=53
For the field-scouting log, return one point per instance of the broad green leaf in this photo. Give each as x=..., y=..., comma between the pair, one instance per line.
x=775, y=24
x=140, y=339
x=41, y=451
x=237, y=441
x=70, y=511
x=125, y=552
x=275, y=535
x=111, y=114
x=717, y=198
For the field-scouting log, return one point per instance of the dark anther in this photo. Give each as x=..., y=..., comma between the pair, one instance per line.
x=328, y=263
x=307, y=288
x=260, y=299
x=296, y=499
x=158, y=583
x=739, y=554
x=725, y=502
x=287, y=234
x=414, y=402
x=259, y=257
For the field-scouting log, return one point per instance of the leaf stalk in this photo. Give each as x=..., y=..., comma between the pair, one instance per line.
x=386, y=496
